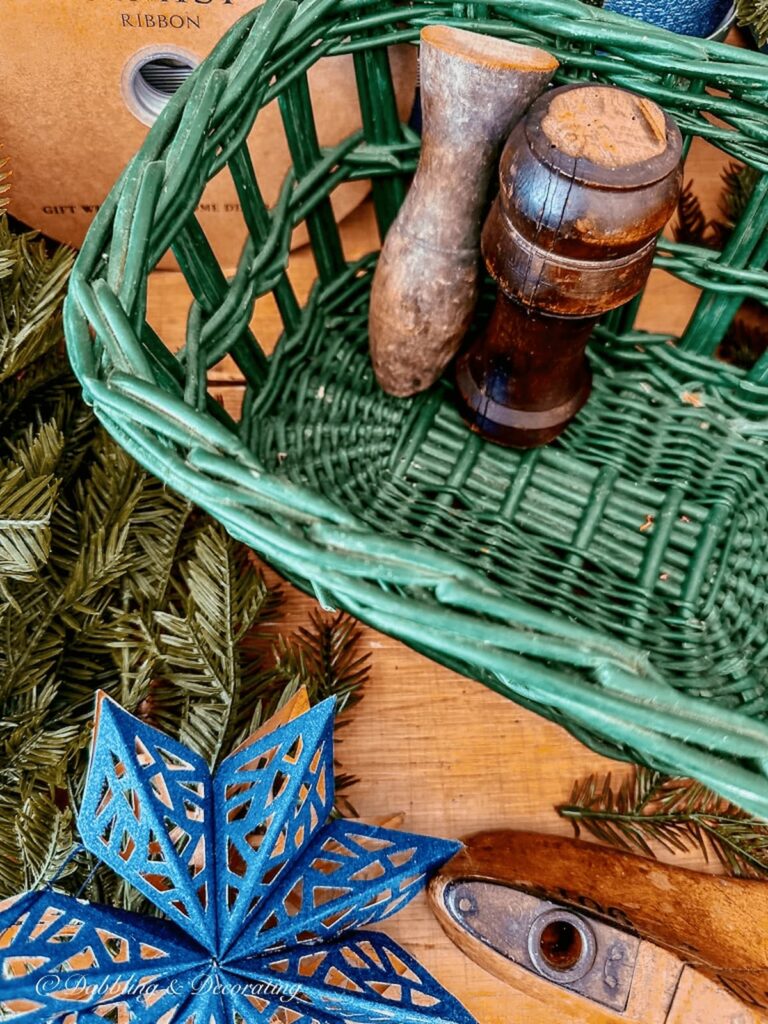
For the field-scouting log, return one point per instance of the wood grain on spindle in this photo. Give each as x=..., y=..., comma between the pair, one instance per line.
x=488, y=51
x=609, y=127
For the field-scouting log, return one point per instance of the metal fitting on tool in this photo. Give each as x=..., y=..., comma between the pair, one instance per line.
x=562, y=946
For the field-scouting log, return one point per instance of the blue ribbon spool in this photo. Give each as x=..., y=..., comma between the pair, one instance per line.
x=688, y=17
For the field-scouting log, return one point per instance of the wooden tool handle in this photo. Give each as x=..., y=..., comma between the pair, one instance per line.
x=474, y=88
x=717, y=925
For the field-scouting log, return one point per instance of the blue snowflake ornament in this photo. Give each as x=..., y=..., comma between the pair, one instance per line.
x=263, y=898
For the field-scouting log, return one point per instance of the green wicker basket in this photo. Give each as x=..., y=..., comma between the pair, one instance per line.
x=527, y=571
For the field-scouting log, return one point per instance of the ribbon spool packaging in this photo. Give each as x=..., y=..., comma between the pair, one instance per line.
x=81, y=80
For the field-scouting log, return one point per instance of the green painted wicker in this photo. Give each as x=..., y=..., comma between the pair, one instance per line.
x=529, y=572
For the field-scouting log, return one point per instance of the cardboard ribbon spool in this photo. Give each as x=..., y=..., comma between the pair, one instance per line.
x=81, y=81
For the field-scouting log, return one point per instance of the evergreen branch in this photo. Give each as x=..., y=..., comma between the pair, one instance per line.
x=747, y=337
x=323, y=657
x=739, y=182
x=222, y=598
x=754, y=14
x=159, y=519
x=691, y=227
x=676, y=814
x=30, y=300
x=108, y=580
x=46, y=834
x=26, y=507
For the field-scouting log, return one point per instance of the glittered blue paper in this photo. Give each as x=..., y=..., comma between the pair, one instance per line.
x=688, y=17
x=263, y=898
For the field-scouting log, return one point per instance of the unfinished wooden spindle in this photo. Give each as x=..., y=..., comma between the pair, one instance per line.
x=474, y=88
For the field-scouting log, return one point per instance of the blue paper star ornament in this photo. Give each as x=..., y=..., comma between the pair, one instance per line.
x=262, y=897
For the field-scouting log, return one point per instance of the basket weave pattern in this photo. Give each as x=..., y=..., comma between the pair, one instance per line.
x=615, y=581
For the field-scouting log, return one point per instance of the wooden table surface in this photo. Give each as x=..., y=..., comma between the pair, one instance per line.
x=447, y=753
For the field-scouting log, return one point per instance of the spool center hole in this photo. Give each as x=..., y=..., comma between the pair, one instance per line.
x=153, y=80
x=165, y=75
x=561, y=945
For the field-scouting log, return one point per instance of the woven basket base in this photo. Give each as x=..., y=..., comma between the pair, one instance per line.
x=645, y=520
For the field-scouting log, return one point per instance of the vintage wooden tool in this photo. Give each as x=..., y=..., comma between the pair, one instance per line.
x=473, y=88
x=587, y=181
x=607, y=936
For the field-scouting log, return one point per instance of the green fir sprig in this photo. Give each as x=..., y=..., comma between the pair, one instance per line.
x=692, y=226
x=754, y=14
x=109, y=580
x=739, y=181
x=649, y=810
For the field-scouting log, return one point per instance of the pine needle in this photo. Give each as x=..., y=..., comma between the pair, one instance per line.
x=323, y=657
x=649, y=810
x=4, y=190
x=221, y=598
x=747, y=337
x=28, y=490
x=46, y=851
x=30, y=299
